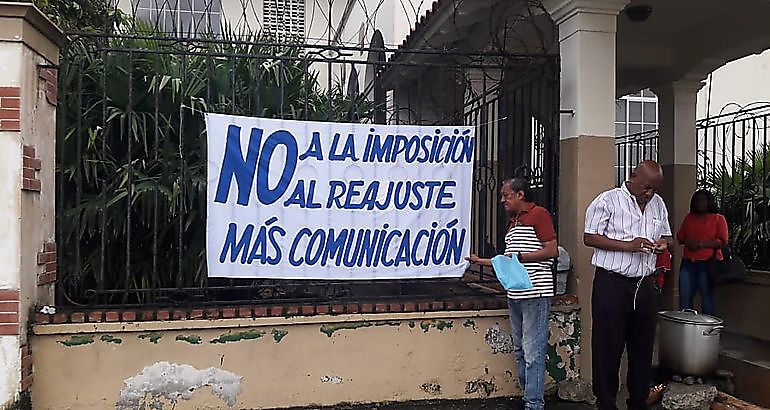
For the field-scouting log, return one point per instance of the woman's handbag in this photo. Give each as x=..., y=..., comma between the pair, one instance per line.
x=730, y=269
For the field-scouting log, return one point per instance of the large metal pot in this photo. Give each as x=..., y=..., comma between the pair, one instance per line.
x=689, y=342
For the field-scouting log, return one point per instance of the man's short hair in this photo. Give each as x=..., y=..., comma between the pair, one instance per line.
x=520, y=184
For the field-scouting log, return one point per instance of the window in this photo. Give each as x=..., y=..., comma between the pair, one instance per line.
x=284, y=19
x=636, y=113
x=187, y=18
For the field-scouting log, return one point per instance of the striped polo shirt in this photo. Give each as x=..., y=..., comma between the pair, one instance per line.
x=527, y=232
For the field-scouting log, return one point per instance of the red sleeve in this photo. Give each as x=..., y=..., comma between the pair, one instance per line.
x=543, y=224
x=681, y=235
x=722, y=229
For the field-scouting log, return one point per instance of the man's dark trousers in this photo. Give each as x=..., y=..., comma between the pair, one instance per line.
x=620, y=322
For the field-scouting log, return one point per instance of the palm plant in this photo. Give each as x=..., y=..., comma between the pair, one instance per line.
x=132, y=148
x=743, y=191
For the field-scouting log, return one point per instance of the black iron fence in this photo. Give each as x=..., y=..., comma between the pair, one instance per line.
x=632, y=149
x=131, y=165
x=733, y=162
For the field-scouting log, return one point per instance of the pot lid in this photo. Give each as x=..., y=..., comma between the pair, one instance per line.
x=690, y=316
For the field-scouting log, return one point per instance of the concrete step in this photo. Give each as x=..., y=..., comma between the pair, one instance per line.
x=749, y=361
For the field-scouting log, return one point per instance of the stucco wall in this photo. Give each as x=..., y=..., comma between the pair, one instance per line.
x=743, y=306
x=280, y=362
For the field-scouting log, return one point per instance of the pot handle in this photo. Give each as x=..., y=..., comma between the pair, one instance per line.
x=690, y=311
x=714, y=331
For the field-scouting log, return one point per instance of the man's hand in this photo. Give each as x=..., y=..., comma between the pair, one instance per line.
x=640, y=245
x=474, y=259
x=660, y=246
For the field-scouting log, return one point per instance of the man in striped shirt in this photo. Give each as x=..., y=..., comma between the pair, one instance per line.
x=532, y=239
x=627, y=227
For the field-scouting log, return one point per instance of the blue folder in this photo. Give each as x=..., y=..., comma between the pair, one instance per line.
x=511, y=273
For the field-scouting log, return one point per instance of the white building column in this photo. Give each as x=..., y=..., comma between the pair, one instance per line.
x=29, y=52
x=677, y=153
x=587, y=150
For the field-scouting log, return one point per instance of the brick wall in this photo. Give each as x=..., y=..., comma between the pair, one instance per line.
x=47, y=259
x=26, y=368
x=9, y=312
x=31, y=164
x=10, y=109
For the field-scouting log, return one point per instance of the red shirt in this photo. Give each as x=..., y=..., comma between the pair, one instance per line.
x=701, y=228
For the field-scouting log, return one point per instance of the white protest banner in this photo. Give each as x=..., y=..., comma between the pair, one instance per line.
x=316, y=200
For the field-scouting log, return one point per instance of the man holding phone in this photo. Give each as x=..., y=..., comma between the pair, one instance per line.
x=627, y=227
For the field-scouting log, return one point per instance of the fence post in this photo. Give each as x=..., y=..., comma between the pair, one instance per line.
x=29, y=53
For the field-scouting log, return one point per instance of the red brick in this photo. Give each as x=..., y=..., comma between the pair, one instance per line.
x=129, y=316
x=30, y=185
x=49, y=247
x=60, y=318
x=180, y=314
x=28, y=173
x=308, y=310
x=9, y=329
x=42, y=318
x=11, y=306
x=26, y=361
x=9, y=114
x=322, y=310
x=338, y=308
x=212, y=313
x=9, y=294
x=276, y=311
x=26, y=383
x=292, y=310
x=395, y=307
x=46, y=278
x=10, y=125
x=424, y=306
x=45, y=257
x=245, y=312
x=466, y=305
x=50, y=267
x=228, y=313
x=26, y=150
x=196, y=314
x=78, y=317
x=260, y=311
x=9, y=318
x=380, y=307
x=353, y=308
x=451, y=305
x=34, y=163
x=10, y=92
x=95, y=316
x=410, y=307
x=112, y=316
x=367, y=308
x=148, y=315
x=10, y=102
x=162, y=315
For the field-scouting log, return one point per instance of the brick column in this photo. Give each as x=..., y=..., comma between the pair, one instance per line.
x=29, y=49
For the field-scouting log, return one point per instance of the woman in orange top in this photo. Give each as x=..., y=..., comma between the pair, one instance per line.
x=703, y=235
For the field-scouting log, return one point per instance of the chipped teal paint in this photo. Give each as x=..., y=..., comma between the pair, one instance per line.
x=411, y=324
x=237, y=337
x=330, y=329
x=77, y=340
x=110, y=339
x=563, y=349
x=192, y=339
x=153, y=337
x=470, y=324
x=483, y=387
x=425, y=325
x=279, y=334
